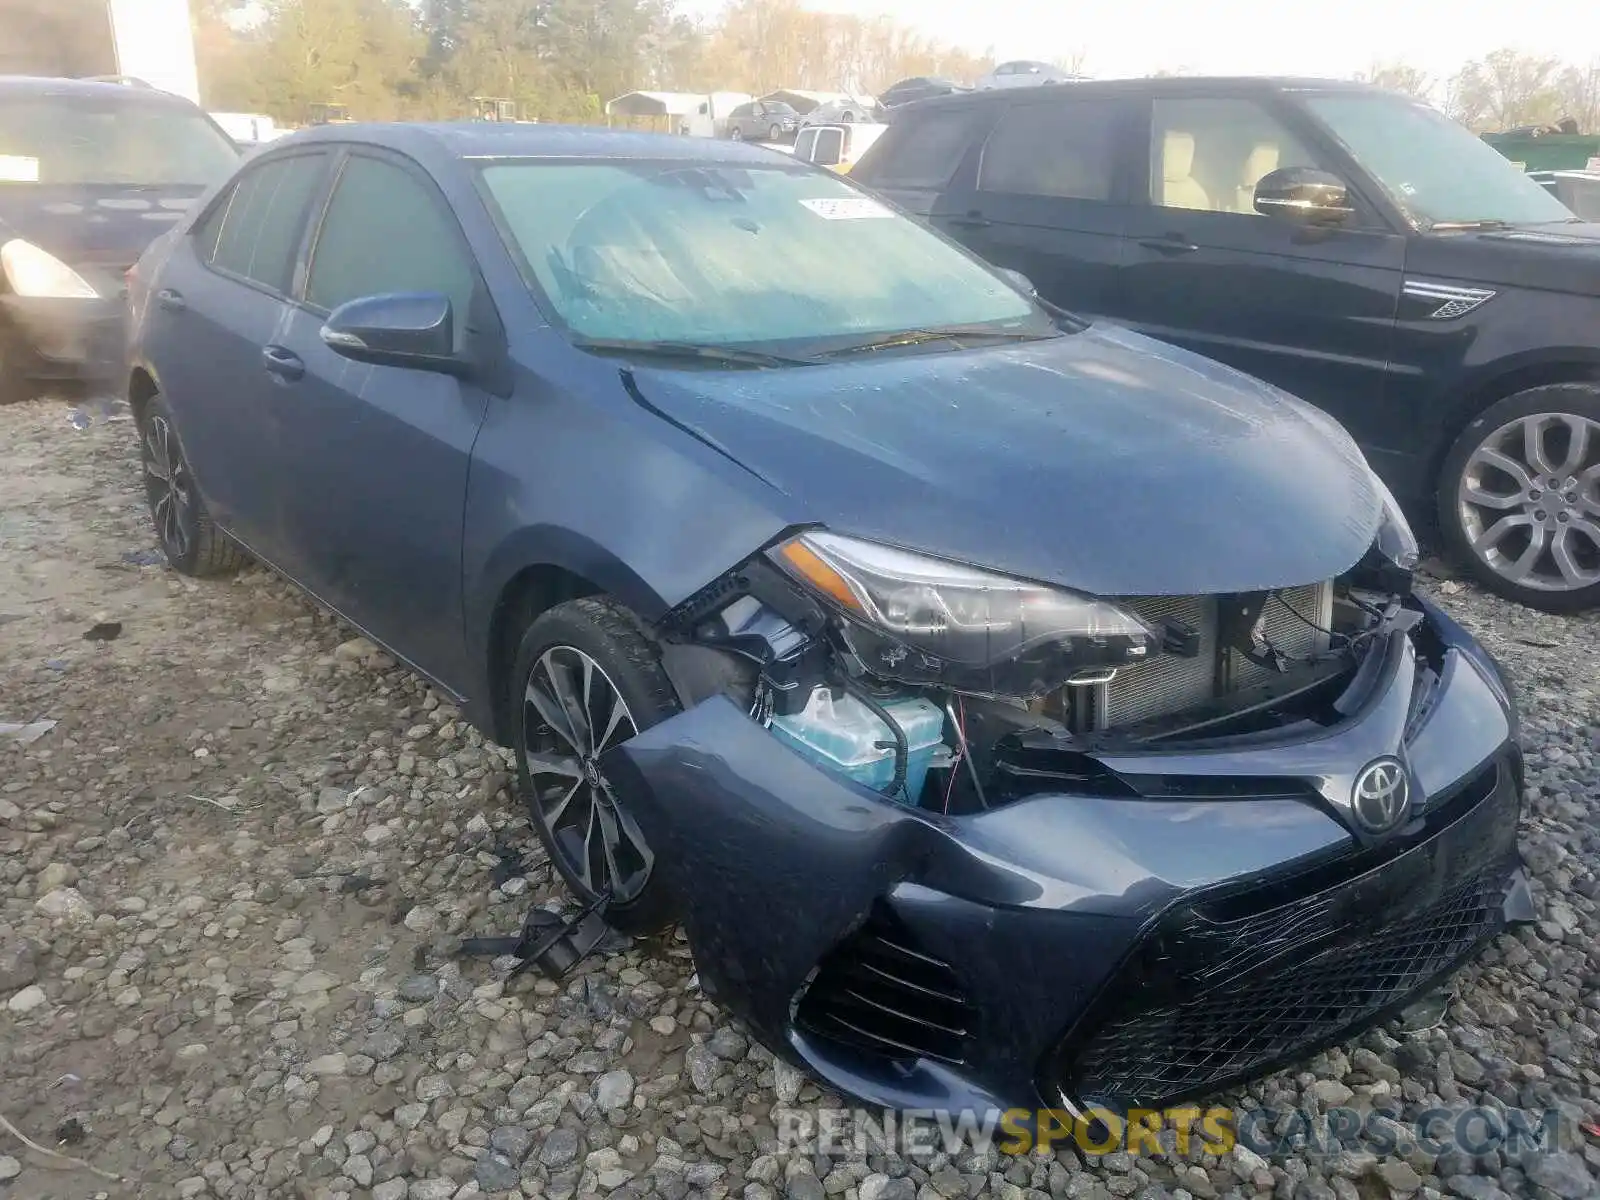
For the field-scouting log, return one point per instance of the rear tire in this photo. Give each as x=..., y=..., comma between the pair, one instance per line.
x=1519, y=498
x=736, y=134
x=574, y=665
x=192, y=543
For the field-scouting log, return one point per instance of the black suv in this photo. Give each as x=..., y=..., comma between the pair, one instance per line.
x=1346, y=244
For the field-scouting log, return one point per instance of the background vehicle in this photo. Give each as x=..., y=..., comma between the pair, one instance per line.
x=763, y=121
x=1351, y=246
x=837, y=146
x=328, y=114
x=728, y=671
x=1022, y=73
x=919, y=87
x=841, y=112
x=90, y=174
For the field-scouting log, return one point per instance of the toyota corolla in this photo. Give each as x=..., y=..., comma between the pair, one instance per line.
x=1012, y=710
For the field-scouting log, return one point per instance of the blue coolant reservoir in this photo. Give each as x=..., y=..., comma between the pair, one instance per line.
x=841, y=733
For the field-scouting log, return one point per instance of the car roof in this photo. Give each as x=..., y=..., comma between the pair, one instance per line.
x=40, y=86
x=494, y=139
x=1155, y=85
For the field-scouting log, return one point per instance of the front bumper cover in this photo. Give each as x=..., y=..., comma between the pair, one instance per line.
x=71, y=340
x=1074, y=946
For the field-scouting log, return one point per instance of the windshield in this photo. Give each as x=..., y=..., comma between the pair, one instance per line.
x=72, y=140
x=732, y=255
x=1437, y=171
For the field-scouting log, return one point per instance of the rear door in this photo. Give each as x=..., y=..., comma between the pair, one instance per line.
x=1048, y=195
x=375, y=459
x=219, y=300
x=1310, y=310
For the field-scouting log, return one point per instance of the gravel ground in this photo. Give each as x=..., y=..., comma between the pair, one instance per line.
x=233, y=873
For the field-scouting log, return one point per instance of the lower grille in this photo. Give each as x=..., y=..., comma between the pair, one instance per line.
x=1225, y=989
x=1294, y=622
x=878, y=992
x=1245, y=1026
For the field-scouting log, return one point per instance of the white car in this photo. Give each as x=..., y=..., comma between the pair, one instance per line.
x=1023, y=73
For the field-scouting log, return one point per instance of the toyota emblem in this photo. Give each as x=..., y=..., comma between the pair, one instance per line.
x=1381, y=795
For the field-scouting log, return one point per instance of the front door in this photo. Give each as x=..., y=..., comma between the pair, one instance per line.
x=1309, y=310
x=1047, y=196
x=375, y=459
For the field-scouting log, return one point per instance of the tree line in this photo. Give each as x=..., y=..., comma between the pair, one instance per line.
x=561, y=60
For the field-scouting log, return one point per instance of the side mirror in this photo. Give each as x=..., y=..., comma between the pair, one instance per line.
x=410, y=329
x=1020, y=281
x=1305, y=195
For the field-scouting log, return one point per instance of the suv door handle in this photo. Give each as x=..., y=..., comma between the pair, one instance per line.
x=170, y=300
x=1173, y=243
x=285, y=364
x=972, y=220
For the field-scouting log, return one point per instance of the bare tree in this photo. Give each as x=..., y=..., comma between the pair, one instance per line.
x=1399, y=77
x=1506, y=89
x=1578, y=90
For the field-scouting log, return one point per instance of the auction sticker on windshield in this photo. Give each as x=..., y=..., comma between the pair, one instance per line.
x=17, y=168
x=848, y=208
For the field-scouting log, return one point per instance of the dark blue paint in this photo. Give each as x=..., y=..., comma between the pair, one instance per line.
x=1037, y=901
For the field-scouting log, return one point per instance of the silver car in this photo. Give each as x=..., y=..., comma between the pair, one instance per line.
x=1023, y=73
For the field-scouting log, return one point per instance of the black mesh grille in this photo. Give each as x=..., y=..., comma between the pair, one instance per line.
x=1225, y=990
x=879, y=992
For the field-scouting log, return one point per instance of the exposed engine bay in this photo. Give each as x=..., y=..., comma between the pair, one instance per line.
x=802, y=637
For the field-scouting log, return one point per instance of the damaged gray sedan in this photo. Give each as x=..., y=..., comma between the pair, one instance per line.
x=1014, y=712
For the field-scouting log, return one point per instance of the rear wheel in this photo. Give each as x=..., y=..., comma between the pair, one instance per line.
x=736, y=134
x=187, y=536
x=1519, y=497
x=588, y=679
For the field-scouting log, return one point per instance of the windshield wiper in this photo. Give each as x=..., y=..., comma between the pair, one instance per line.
x=702, y=351
x=1486, y=223
x=943, y=333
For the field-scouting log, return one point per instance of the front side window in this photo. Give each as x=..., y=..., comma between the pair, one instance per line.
x=385, y=232
x=254, y=231
x=1435, y=171
x=1052, y=149
x=1209, y=154
x=735, y=255
x=90, y=141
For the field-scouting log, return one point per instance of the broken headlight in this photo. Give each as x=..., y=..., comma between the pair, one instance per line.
x=1395, y=540
x=921, y=620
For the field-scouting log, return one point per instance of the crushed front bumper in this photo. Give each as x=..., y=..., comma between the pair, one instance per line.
x=1084, y=947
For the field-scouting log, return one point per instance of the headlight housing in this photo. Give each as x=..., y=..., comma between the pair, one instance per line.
x=1395, y=541
x=921, y=620
x=38, y=273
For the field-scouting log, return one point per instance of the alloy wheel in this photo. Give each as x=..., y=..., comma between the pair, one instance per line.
x=572, y=715
x=167, y=484
x=1529, y=502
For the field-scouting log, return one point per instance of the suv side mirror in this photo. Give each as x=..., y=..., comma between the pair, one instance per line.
x=409, y=329
x=1305, y=195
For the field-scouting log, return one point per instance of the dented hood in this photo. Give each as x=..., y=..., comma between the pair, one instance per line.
x=1102, y=461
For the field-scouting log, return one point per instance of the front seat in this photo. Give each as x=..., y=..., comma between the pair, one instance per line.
x=1263, y=161
x=1180, y=189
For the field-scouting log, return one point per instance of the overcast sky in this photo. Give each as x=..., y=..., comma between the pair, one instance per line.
x=1247, y=37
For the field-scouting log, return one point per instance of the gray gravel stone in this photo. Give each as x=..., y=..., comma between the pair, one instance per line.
x=560, y=1148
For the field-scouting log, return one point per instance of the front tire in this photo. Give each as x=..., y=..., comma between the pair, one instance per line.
x=185, y=532
x=586, y=679
x=775, y=134
x=1519, y=497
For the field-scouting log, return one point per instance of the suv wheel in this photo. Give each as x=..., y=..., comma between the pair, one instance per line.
x=775, y=134
x=587, y=679
x=1519, y=497
x=736, y=133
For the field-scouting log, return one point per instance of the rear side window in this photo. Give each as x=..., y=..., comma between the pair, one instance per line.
x=385, y=231
x=924, y=152
x=255, y=230
x=1060, y=150
x=830, y=147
